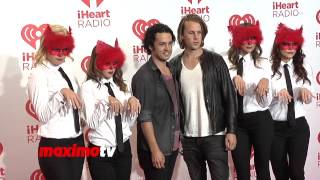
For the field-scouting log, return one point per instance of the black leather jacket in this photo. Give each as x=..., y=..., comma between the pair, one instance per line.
x=219, y=93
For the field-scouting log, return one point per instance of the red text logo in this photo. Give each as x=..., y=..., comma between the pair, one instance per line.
x=190, y=1
x=236, y=19
x=30, y=110
x=85, y=64
x=140, y=26
x=87, y=2
x=74, y=151
x=318, y=16
x=1, y=149
x=318, y=77
x=37, y=175
x=31, y=33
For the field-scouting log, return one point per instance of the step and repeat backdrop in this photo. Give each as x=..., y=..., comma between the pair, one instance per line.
x=22, y=24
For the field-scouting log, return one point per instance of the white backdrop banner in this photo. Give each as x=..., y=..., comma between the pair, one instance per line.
x=22, y=24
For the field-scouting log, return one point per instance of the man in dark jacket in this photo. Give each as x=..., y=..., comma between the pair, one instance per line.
x=158, y=127
x=208, y=102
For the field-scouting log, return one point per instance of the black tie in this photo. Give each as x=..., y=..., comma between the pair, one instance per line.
x=291, y=112
x=117, y=118
x=75, y=111
x=240, y=98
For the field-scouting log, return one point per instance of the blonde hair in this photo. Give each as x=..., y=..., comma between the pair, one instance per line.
x=41, y=53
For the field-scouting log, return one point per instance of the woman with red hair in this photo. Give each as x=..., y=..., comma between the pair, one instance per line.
x=251, y=77
x=291, y=88
x=110, y=112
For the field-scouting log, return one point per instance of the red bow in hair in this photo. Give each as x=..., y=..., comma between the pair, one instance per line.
x=285, y=35
x=58, y=42
x=242, y=33
x=108, y=56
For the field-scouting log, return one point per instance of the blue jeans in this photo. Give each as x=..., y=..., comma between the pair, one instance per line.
x=211, y=149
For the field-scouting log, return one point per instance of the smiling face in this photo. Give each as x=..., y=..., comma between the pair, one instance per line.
x=162, y=46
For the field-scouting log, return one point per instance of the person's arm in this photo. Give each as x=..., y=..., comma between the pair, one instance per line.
x=229, y=98
x=143, y=88
x=45, y=107
x=95, y=107
x=157, y=156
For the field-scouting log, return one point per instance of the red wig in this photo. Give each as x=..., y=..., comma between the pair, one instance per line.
x=107, y=55
x=54, y=40
x=241, y=33
x=285, y=34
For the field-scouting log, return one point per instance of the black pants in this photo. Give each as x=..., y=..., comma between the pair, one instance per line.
x=255, y=130
x=61, y=168
x=289, y=149
x=211, y=149
x=117, y=167
x=152, y=173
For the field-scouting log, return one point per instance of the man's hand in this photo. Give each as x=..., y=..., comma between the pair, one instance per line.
x=158, y=159
x=230, y=141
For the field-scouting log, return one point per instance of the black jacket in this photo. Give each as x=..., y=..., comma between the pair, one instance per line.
x=219, y=93
x=156, y=107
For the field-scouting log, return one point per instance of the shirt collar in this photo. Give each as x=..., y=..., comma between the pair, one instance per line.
x=290, y=63
x=246, y=57
x=49, y=65
x=104, y=80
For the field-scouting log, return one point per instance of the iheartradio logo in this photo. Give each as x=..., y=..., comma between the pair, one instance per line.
x=236, y=19
x=30, y=110
x=31, y=33
x=190, y=1
x=318, y=16
x=1, y=149
x=87, y=2
x=85, y=63
x=37, y=175
x=318, y=77
x=140, y=26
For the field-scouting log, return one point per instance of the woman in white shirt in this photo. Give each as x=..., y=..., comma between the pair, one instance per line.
x=291, y=87
x=109, y=111
x=52, y=89
x=251, y=77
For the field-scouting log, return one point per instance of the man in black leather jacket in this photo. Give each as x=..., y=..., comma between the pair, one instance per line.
x=208, y=101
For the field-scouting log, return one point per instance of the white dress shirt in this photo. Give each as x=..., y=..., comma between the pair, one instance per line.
x=279, y=108
x=44, y=86
x=252, y=75
x=99, y=117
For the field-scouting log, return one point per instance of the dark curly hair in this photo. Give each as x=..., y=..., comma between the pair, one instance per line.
x=150, y=35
